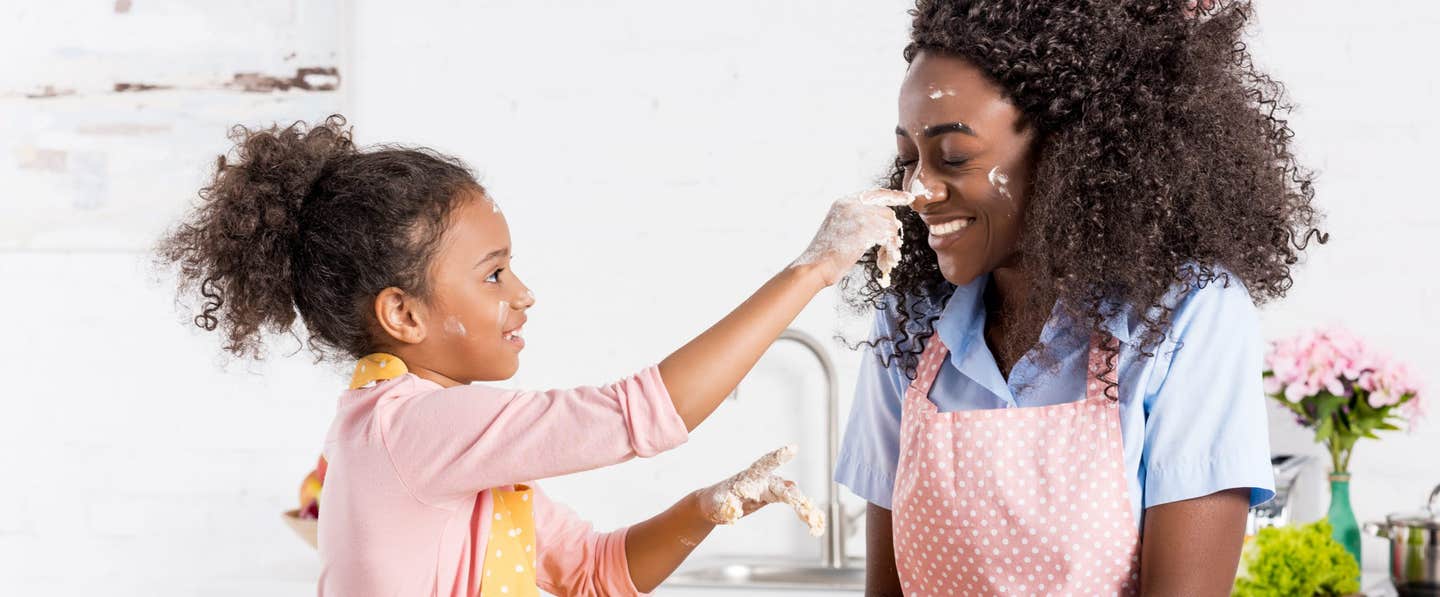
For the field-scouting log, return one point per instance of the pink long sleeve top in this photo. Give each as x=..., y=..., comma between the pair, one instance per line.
x=406, y=505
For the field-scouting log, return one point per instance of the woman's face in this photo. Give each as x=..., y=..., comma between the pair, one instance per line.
x=968, y=162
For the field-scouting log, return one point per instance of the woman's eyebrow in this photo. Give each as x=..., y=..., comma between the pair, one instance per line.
x=941, y=129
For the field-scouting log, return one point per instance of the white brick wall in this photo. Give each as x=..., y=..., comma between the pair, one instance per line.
x=132, y=464
x=657, y=161
x=1366, y=91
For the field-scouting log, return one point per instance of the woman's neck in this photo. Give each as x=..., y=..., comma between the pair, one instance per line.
x=1006, y=300
x=1010, y=289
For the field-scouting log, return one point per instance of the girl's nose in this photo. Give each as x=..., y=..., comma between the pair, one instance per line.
x=527, y=299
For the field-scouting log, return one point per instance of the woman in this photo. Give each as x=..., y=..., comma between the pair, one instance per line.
x=1063, y=388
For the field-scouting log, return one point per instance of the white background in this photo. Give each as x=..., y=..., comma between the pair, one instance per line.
x=657, y=161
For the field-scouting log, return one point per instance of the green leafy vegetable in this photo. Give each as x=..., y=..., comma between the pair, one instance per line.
x=1296, y=561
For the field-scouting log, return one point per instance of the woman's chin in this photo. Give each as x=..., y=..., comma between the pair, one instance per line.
x=959, y=273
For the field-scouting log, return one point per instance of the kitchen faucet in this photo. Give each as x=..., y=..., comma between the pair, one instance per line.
x=835, y=532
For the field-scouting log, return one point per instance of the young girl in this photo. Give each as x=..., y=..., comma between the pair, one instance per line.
x=399, y=259
x=1064, y=394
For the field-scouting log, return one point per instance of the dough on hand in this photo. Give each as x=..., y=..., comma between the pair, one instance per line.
x=804, y=508
x=887, y=256
x=727, y=501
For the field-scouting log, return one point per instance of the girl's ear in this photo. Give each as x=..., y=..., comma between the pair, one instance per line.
x=403, y=317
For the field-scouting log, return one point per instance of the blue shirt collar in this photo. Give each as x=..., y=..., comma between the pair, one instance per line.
x=964, y=316
x=961, y=327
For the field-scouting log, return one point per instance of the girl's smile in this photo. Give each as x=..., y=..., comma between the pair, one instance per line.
x=515, y=336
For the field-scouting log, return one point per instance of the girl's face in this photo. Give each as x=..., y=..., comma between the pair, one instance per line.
x=968, y=161
x=477, y=305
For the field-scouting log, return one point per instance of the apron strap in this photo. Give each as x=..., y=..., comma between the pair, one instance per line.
x=928, y=368
x=1104, y=357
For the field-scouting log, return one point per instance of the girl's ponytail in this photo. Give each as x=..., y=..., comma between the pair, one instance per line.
x=238, y=247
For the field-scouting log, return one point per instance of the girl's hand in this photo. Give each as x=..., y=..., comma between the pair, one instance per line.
x=854, y=224
x=754, y=488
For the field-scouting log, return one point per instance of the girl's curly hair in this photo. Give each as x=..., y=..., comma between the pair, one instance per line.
x=1163, y=160
x=301, y=221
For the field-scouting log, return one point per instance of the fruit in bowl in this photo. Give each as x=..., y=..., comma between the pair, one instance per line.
x=305, y=519
x=310, y=490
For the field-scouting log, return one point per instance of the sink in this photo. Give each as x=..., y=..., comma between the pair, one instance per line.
x=771, y=575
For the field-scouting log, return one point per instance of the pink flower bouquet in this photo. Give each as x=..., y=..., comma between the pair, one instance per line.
x=1341, y=388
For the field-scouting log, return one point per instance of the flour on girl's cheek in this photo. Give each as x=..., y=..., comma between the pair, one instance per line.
x=500, y=310
x=454, y=327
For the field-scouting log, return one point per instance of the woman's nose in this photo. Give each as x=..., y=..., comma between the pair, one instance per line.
x=924, y=191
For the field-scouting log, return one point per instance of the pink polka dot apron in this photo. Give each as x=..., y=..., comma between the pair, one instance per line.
x=1014, y=501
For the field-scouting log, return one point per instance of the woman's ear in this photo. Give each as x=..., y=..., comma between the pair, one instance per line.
x=402, y=316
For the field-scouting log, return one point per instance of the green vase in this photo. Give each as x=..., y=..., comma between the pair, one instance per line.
x=1344, y=529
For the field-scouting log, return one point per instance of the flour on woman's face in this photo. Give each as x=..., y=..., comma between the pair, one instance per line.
x=1001, y=182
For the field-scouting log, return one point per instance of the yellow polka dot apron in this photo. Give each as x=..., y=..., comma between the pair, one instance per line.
x=509, y=563
x=1014, y=501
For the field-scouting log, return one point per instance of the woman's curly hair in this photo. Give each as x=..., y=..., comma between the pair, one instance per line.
x=301, y=221
x=1163, y=161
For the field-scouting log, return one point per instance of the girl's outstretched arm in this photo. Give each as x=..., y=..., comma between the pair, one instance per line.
x=700, y=374
x=573, y=559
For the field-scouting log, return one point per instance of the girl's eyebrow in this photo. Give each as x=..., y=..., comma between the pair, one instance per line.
x=493, y=255
x=941, y=129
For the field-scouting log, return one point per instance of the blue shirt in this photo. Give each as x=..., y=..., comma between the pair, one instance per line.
x=1192, y=416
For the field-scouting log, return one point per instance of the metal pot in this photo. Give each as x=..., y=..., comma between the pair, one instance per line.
x=1414, y=547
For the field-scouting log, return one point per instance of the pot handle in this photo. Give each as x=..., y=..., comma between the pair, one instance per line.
x=1376, y=529
x=1433, y=504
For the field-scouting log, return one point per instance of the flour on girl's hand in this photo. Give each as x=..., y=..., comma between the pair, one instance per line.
x=729, y=500
x=887, y=255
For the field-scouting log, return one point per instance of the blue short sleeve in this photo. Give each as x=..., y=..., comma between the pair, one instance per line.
x=1205, y=418
x=870, y=450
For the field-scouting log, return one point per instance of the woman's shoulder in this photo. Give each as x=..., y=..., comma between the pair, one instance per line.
x=1208, y=299
x=1211, y=295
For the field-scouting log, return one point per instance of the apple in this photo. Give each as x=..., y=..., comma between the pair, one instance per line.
x=310, y=489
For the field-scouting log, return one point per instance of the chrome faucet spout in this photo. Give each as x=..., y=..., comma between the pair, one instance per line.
x=835, y=531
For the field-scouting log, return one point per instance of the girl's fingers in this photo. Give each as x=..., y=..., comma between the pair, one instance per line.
x=775, y=490
x=778, y=489
x=885, y=198
x=771, y=461
x=804, y=508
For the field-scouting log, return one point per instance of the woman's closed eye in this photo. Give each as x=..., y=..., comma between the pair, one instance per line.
x=949, y=162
